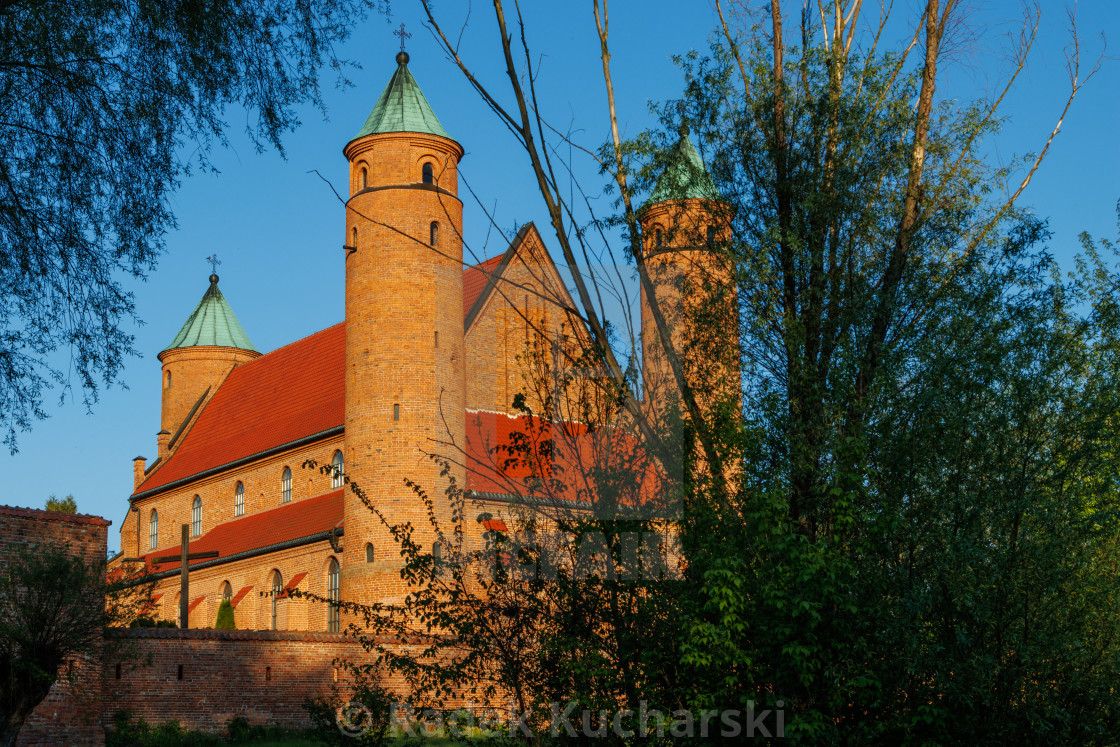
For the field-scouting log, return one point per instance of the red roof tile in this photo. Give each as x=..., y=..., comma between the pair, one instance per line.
x=475, y=279
x=240, y=595
x=288, y=394
x=290, y=521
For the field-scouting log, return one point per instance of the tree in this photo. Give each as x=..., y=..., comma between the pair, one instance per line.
x=54, y=608
x=65, y=505
x=108, y=105
x=903, y=531
x=225, y=619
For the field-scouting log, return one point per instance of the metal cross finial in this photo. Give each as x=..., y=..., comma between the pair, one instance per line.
x=214, y=262
x=402, y=34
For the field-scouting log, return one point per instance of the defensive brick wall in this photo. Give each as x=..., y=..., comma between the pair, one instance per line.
x=202, y=678
x=71, y=711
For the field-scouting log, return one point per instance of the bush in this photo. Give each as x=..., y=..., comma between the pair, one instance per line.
x=373, y=724
x=225, y=617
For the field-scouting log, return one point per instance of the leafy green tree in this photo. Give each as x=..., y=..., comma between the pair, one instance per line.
x=65, y=505
x=54, y=608
x=225, y=619
x=108, y=104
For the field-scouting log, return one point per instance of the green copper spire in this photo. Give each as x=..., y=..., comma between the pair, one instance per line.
x=685, y=177
x=212, y=323
x=402, y=107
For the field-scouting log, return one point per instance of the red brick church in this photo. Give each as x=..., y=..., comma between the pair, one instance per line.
x=428, y=360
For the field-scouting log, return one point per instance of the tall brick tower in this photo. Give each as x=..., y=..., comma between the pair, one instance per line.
x=209, y=344
x=684, y=222
x=405, y=388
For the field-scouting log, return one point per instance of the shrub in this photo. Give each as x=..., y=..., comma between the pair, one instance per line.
x=373, y=724
x=225, y=617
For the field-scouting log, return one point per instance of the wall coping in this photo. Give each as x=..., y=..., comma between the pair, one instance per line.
x=206, y=634
x=54, y=516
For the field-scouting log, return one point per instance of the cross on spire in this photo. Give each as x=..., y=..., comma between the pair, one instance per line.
x=402, y=34
x=214, y=262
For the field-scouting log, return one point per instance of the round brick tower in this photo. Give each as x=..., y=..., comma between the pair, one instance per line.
x=209, y=344
x=405, y=389
x=683, y=222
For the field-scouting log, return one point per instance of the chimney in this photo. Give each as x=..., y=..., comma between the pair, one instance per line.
x=138, y=471
x=163, y=438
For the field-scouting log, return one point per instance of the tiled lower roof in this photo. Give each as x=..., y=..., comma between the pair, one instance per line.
x=286, y=523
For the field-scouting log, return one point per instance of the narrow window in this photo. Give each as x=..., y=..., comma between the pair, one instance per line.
x=268, y=674
x=426, y=173
x=354, y=237
x=153, y=530
x=239, y=499
x=286, y=485
x=396, y=412
x=437, y=339
x=332, y=597
x=362, y=178
x=369, y=552
x=437, y=553
x=711, y=234
x=659, y=238
x=227, y=592
x=168, y=385
x=277, y=588
x=336, y=470
x=196, y=516
x=118, y=671
x=433, y=234
x=180, y=671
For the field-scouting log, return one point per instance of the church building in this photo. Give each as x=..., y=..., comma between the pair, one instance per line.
x=427, y=361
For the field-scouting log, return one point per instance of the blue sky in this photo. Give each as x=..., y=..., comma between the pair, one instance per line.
x=278, y=228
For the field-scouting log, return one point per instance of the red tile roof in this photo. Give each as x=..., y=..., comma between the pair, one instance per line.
x=240, y=595
x=288, y=394
x=290, y=521
x=475, y=279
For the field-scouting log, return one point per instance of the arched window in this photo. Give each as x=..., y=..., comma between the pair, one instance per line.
x=277, y=589
x=369, y=552
x=711, y=238
x=168, y=384
x=332, y=596
x=658, y=236
x=354, y=237
x=196, y=516
x=239, y=499
x=337, y=467
x=362, y=178
x=286, y=485
x=153, y=529
x=433, y=234
x=426, y=174
x=227, y=592
x=437, y=553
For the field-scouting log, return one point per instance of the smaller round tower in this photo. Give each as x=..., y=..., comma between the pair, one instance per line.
x=684, y=223
x=209, y=344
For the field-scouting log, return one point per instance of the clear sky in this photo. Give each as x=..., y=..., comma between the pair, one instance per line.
x=278, y=228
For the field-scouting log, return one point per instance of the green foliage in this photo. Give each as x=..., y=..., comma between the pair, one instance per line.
x=136, y=732
x=108, y=105
x=143, y=621
x=369, y=726
x=225, y=617
x=65, y=505
x=54, y=607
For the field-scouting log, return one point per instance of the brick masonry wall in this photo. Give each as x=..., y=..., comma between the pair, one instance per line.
x=262, y=481
x=261, y=675
x=70, y=713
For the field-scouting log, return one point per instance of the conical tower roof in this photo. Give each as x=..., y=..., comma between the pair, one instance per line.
x=212, y=323
x=685, y=176
x=402, y=107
